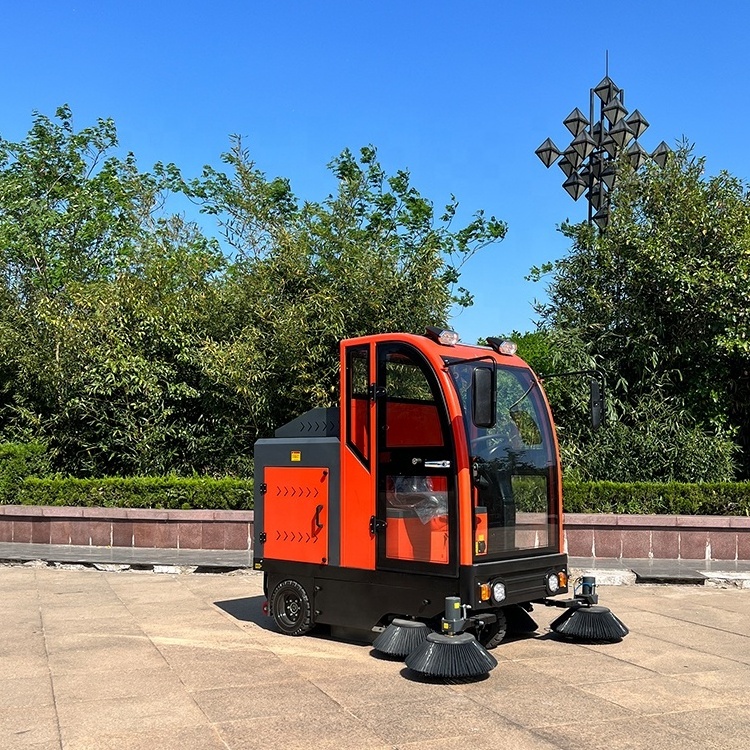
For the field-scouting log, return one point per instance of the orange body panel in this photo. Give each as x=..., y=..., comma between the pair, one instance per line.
x=357, y=506
x=407, y=538
x=296, y=514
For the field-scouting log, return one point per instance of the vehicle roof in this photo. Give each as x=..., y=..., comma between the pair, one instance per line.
x=428, y=345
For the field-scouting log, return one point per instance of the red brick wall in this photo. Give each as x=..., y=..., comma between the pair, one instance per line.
x=586, y=535
x=121, y=527
x=659, y=537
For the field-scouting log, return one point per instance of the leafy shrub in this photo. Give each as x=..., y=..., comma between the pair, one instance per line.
x=654, y=442
x=18, y=461
x=139, y=492
x=648, y=498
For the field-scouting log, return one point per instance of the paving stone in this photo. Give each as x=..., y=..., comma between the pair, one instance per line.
x=378, y=688
x=418, y=720
x=26, y=693
x=157, y=684
x=596, y=732
x=225, y=704
x=534, y=707
x=512, y=737
x=720, y=680
x=716, y=728
x=300, y=731
x=134, y=713
x=582, y=666
x=102, y=653
x=657, y=695
x=202, y=737
x=21, y=664
x=29, y=728
x=202, y=668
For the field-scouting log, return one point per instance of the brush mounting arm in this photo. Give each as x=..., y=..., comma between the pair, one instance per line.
x=580, y=600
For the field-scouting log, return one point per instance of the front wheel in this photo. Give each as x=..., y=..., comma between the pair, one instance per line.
x=290, y=607
x=492, y=635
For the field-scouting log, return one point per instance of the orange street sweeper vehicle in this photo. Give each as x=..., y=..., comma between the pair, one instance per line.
x=437, y=476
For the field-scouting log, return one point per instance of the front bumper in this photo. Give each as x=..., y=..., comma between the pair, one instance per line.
x=525, y=579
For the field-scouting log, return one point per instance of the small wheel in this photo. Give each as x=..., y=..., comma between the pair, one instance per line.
x=492, y=635
x=290, y=606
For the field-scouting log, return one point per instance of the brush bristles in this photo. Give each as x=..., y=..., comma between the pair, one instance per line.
x=451, y=656
x=591, y=624
x=401, y=637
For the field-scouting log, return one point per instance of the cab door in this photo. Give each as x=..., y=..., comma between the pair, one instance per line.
x=415, y=466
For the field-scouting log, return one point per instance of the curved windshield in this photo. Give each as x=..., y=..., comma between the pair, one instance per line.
x=514, y=465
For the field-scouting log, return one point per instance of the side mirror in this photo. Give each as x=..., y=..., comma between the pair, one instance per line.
x=483, y=397
x=596, y=403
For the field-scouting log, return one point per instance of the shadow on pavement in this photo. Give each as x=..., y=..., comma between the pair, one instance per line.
x=248, y=609
x=413, y=676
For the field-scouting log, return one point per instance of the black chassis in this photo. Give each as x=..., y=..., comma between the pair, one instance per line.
x=365, y=599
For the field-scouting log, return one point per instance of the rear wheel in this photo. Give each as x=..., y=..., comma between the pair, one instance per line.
x=290, y=607
x=492, y=635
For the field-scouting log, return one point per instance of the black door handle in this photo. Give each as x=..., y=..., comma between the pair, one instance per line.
x=377, y=524
x=317, y=517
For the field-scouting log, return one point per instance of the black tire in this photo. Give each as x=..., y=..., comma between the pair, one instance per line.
x=290, y=607
x=492, y=635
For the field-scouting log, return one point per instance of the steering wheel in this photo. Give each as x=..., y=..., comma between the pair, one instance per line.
x=479, y=443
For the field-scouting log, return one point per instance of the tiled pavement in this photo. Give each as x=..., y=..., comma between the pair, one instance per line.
x=128, y=660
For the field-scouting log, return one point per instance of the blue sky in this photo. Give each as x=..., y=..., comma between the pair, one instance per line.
x=461, y=94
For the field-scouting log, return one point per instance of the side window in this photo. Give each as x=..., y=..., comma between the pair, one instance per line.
x=405, y=380
x=358, y=401
x=412, y=416
x=516, y=412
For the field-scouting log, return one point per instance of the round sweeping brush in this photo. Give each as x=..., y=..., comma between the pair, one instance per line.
x=400, y=638
x=590, y=624
x=458, y=655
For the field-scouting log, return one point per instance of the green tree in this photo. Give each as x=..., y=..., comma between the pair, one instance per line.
x=69, y=210
x=123, y=390
x=106, y=303
x=661, y=300
x=131, y=344
x=373, y=257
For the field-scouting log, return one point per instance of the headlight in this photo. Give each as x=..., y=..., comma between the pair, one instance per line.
x=498, y=592
x=553, y=584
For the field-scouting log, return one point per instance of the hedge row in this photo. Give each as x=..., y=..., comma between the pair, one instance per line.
x=139, y=492
x=17, y=462
x=649, y=498
x=22, y=465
